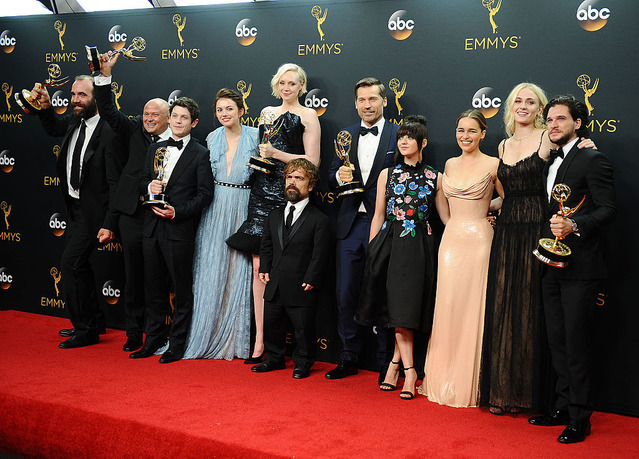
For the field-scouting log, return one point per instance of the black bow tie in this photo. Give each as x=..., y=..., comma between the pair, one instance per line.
x=174, y=143
x=154, y=138
x=554, y=154
x=364, y=130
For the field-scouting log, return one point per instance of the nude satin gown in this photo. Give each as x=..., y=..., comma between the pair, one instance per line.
x=454, y=349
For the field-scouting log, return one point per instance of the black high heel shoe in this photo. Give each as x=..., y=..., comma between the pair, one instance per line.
x=388, y=387
x=254, y=360
x=406, y=394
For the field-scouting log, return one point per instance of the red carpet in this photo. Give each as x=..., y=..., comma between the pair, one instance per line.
x=96, y=402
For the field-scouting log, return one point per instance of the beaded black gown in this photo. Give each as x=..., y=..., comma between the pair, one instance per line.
x=267, y=190
x=516, y=368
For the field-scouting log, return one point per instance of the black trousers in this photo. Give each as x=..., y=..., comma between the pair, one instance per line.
x=131, y=236
x=275, y=327
x=78, y=281
x=167, y=260
x=569, y=307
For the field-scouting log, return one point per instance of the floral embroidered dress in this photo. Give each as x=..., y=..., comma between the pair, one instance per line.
x=399, y=277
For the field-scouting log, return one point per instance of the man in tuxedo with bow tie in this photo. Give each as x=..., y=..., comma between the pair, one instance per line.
x=169, y=231
x=570, y=293
x=292, y=260
x=87, y=177
x=136, y=133
x=372, y=150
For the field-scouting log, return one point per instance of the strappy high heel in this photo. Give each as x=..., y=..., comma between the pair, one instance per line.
x=406, y=394
x=388, y=387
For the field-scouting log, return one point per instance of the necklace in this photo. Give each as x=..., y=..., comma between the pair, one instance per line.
x=524, y=137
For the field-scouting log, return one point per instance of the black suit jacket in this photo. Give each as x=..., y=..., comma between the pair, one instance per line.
x=99, y=175
x=189, y=190
x=384, y=158
x=301, y=260
x=588, y=173
x=131, y=157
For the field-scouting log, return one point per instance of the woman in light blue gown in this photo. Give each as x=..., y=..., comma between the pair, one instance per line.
x=222, y=276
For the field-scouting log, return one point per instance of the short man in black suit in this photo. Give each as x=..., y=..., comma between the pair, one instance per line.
x=570, y=293
x=372, y=150
x=87, y=177
x=137, y=134
x=169, y=231
x=292, y=261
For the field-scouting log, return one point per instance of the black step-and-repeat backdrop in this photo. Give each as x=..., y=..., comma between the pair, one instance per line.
x=437, y=58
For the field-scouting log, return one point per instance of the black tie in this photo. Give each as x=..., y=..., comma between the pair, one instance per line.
x=364, y=130
x=77, y=153
x=174, y=143
x=289, y=218
x=554, y=154
x=154, y=138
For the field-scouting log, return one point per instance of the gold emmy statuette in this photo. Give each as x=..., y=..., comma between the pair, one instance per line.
x=26, y=99
x=271, y=127
x=159, y=165
x=342, y=150
x=551, y=251
x=137, y=44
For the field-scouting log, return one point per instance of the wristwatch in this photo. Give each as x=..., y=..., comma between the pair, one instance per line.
x=575, y=229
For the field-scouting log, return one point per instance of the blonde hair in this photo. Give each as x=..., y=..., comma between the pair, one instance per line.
x=281, y=71
x=509, y=118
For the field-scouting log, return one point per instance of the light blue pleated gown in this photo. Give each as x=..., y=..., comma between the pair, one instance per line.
x=222, y=277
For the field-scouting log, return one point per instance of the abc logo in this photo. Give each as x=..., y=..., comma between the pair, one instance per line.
x=59, y=103
x=6, y=161
x=110, y=293
x=245, y=33
x=57, y=224
x=175, y=95
x=315, y=101
x=7, y=41
x=399, y=26
x=5, y=279
x=484, y=101
x=116, y=37
x=590, y=17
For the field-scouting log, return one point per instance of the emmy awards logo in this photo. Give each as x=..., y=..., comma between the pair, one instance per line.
x=93, y=55
x=492, y=11
x=394, y=84
x=117, y=92
x=270, y=126
x=159, y=167
x=316, y=12
x=342, y=150
x=56, y=150
x=56, y=279
x=26, y=99
x=583, y=81
x=60, y=28
x=6, y=209
x=7, y=90
x=551, y=251
x=180, y=26
x=245, y=91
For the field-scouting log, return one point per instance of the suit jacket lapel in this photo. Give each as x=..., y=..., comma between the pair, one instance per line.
x=183, y=162
x=380, y=155
x=93, y=142
x=299, y=222
x=280, y=225
x=565, y=165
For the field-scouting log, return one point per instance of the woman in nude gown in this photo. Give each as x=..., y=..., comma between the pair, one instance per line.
x=454, y=350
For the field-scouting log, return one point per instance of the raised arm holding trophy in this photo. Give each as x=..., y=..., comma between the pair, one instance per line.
x=28, y=101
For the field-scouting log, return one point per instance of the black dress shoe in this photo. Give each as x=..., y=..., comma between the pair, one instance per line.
x=69, y=332
x=342, y=370
x=575, y=431
x=147, y=350
x=171, y=355
x=75, y=342
x=267, y=366
x=132, y=344
x=301, y=373
x=556, y=418
x=254, y=360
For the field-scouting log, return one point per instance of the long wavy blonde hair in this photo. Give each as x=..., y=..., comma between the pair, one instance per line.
x=509, y=118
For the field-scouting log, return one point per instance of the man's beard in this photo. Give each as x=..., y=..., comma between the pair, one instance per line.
x=293, y=194
x=87, y=112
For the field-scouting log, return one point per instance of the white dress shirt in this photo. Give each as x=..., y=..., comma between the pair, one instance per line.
x=554, y=167
x=91, y=123
x=299, y=208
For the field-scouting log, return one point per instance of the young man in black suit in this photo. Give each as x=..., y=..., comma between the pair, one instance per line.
x=570, y=293
x=137, y=134
x=169, y=231
x=372, y=150
x=87, y=178
x=292, y=261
